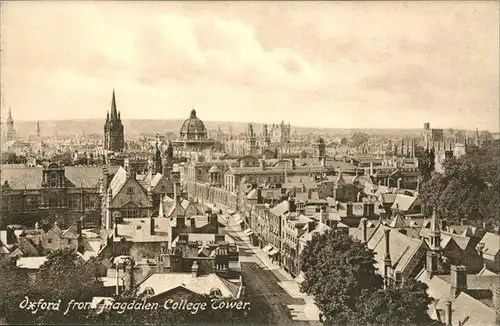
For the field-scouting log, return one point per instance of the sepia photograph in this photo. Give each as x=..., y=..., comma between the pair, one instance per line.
x=298, y=163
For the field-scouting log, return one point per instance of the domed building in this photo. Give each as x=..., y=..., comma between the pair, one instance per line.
x=193, y=128
x=193, y=137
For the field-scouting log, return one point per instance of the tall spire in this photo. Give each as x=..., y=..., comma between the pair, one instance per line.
x=10, y=121
x=114, y=113
x=38, y=129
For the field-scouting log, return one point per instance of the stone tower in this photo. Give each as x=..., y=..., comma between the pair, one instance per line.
x=10, y=133
x=113, y=129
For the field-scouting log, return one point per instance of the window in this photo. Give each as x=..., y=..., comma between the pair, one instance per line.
x=69, y=241
x=49, y=241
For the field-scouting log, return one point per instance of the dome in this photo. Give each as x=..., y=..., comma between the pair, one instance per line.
x=214, y=169
x=193, y=128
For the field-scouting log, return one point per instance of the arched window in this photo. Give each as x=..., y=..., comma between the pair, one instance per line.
x=215, y=292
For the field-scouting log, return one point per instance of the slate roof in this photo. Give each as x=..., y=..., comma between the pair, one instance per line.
x=402, y=248
x=22, y=178
x=403, y=202
x=467, y=310
x=138, y=230
x=491, y=243
x=32, y=177
x=203, y=284
x=461, y=241
x=85, y=176
x=118, y=181
x=319, y=229
x=280, y=209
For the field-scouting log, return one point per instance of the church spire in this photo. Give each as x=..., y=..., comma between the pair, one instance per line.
x=10, y=121
x=38, y=129
x=114, y=114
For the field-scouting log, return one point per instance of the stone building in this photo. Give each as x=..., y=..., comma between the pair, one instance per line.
x=114, y=140
x=52, y=193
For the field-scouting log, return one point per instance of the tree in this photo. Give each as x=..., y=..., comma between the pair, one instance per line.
x=336, y=271
x=13, y=282
x=66, y=276
x=468, y=188
x=359, y=138
x=340, y=273
x=390, y=306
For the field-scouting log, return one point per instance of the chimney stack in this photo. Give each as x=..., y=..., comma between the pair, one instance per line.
x=194, y=269
x=262, y=165
x=365, y=209
x=349, y=209
x=387, y=258
x=242, y=163
x=79, y=226
x=458, y=279
x=448, y=313
x=364, y=230
x=399, y=183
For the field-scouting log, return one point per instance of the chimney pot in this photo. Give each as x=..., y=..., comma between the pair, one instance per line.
x=364, y=230
x=448, y=313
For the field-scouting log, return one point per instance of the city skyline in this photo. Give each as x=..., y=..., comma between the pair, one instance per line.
x=376, y=65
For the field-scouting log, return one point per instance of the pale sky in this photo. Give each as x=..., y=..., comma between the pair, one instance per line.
x=372, y=64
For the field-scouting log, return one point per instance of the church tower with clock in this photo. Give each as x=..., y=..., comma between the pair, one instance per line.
x=113, y=129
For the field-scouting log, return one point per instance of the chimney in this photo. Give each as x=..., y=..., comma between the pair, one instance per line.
x=387, y=258
x=116, y=229
x=105, y=178
x=311, y=225
x=214, y=222
x=337, y=204
x=349, y=209
x=194, y=269
x=259, y=196
x=431, y=262
x=398, y=278
x=292, y=207
x=365, y=209
x=262, y=165
x=180, y=222
x=399, y=183
x=11, y=237
x=242, y=163
x=364, y=230
x=371, y=209
x=79, y=226
x=371, y=168
x=448, y=313
x=458, y=279
x=443, y=225
x=152, y=226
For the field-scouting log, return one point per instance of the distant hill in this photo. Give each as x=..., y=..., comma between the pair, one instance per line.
x=151, y=127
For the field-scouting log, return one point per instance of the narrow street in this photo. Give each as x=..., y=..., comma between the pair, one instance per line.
x=262, y=283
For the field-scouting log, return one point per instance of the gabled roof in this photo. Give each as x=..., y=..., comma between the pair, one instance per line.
x=467, y=310
x=403, y=202
x=156, y=179
x=398, y=222
x=491, y=243
x=402, y=248
x=203, y=284
x=280, y=209
x=118, y=181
